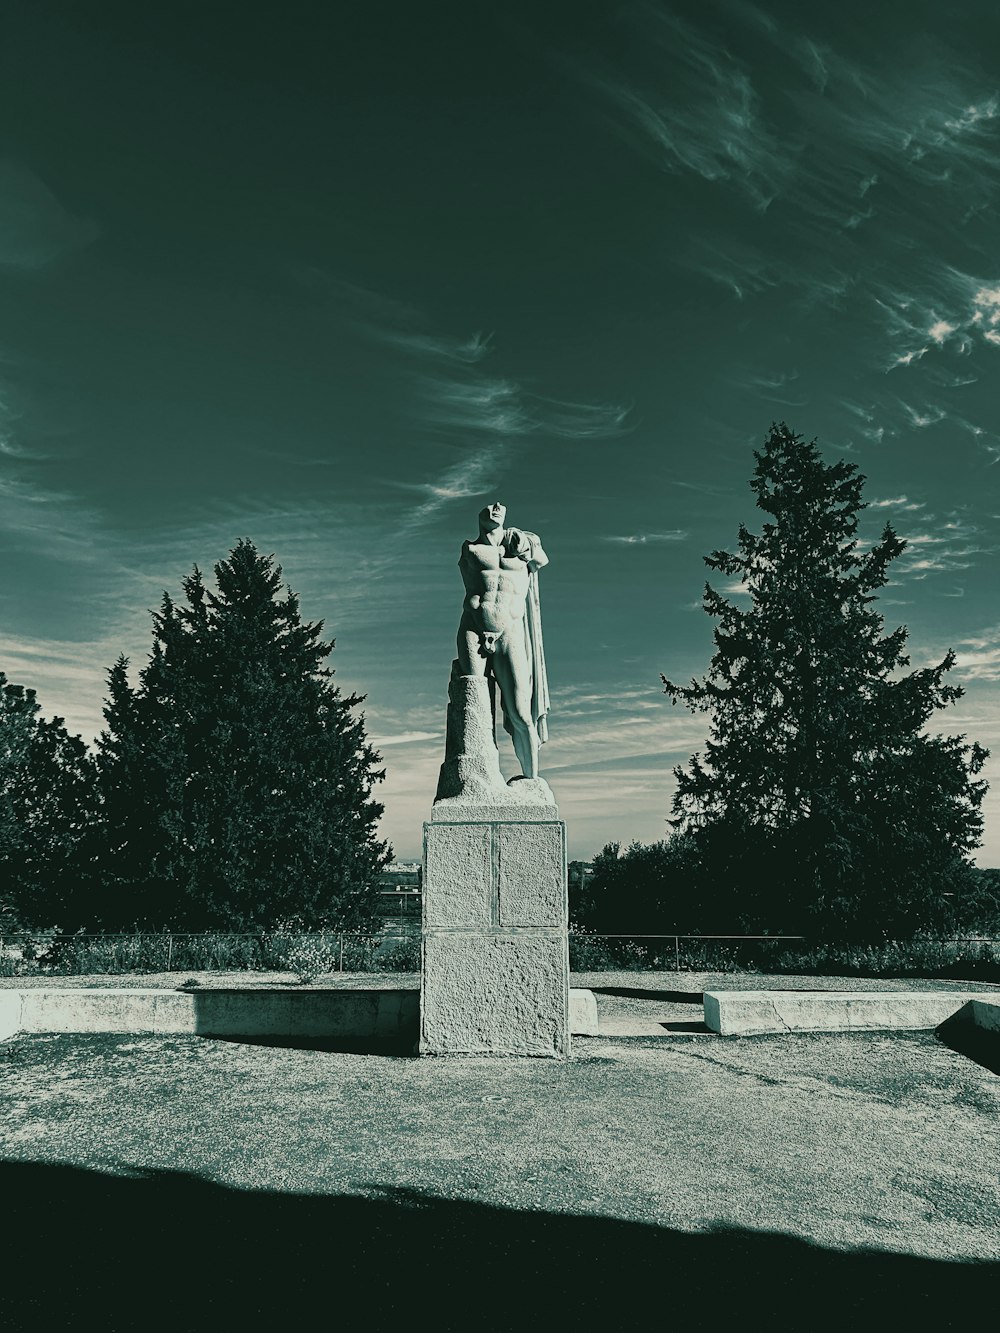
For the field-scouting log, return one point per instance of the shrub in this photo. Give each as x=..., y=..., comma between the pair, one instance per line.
x=401, y=955
x=311, y=956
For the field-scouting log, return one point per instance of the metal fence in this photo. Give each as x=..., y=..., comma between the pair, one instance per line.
x=777, y=939
x=171, y=951
x=393, y=947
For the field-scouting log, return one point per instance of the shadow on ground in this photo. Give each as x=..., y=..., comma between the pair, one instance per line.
x=405, y=1045
x=630, y=993
x=392, y=1045
x=165, y=1250
x=973, y=1042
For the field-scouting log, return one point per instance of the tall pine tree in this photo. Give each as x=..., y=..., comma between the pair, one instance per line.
x=821, y=802
x=236, y=777
x=48, y=814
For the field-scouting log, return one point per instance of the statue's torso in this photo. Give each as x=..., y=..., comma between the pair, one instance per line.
x=496, y=585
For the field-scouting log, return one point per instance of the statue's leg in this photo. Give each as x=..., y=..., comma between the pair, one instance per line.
x=513, y=672
x=471, y=661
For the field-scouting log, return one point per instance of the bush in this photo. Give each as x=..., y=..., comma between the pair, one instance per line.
x=287, y=949
x=589, y=952
x=402, y=955
x=311, y=956
x=922, y=956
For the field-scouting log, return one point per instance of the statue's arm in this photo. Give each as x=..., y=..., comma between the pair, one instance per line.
x=470, y=607
x=528, y=547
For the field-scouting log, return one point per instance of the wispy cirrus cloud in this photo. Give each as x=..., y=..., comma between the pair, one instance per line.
x=405, y=738
x=921, y=417
x=35, y=228
x=645, y=538
x=835, y=139
x=898, y=502
x=944, y=312
x=74, y=673
x=465, y=400
x=736, y=588
x=936, y=545
x=475, y=421
x=700, y=487
x=746, y=272
x=925, y=116
x=693, y=108
x=867, y=421
x=978, y=655
x=774, y=386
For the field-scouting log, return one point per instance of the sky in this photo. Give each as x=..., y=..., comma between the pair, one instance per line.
x=330, y=276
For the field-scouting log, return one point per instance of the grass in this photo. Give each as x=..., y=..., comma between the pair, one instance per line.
x=305, y=953
x=923, y=956
x=310, y=954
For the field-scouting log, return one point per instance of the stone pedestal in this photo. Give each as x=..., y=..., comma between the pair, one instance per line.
x=495, y=968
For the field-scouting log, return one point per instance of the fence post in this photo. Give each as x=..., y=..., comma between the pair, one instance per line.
x=341, y=951
x=170, y=950
x=677, y=952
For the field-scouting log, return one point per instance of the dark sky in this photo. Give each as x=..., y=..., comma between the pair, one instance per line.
x=330, y=276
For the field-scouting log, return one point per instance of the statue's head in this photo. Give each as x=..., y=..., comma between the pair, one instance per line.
x=492, y=516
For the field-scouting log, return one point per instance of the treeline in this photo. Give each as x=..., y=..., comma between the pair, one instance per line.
x=669, y=888
x=823, y=804
x=232, y=785
x=230, y=788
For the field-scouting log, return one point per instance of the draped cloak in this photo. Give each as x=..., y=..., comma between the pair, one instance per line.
x=532, y=622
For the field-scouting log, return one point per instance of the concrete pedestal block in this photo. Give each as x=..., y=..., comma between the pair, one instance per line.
x=10, y=1013
x=985, y=1013
x=495, y=975
x=746, y=1013
x=583, y=1013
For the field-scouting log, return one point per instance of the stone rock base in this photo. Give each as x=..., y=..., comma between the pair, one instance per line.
x=495, y=975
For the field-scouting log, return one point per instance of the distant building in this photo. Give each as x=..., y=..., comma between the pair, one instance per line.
x=579, y=873
x=399, y=885
x=401, y=877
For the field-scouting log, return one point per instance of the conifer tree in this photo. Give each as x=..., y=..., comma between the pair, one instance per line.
x=48, y=814
x=820, y=800
x=236, y=777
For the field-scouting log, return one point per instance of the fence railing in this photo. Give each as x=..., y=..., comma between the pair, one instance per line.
x=593, y=935
x=395, y=947
x=171, y=951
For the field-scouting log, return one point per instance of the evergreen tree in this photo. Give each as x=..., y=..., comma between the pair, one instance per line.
x=48, y=814
x=236, y=777
x=820, y=800
x=648, y=889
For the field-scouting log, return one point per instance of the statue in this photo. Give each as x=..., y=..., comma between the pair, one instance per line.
x=499, y=650
x=495, y=952
x=500, y=633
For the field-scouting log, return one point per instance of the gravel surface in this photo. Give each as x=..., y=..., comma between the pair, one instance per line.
x=182, y=1183
x=219, y=980
x=614, y=989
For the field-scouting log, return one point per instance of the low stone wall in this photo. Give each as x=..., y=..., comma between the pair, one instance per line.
x=748, y=1013
x=258, y=1012
x=985, y=1014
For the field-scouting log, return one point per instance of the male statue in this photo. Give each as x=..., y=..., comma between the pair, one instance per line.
x=500, y=634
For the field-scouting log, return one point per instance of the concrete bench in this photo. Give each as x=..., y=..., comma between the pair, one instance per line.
x=746, y=1013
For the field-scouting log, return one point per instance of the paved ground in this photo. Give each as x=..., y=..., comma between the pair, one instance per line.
x=182, y=1183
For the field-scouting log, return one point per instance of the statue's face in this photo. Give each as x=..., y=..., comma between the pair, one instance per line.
x=493, y=515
